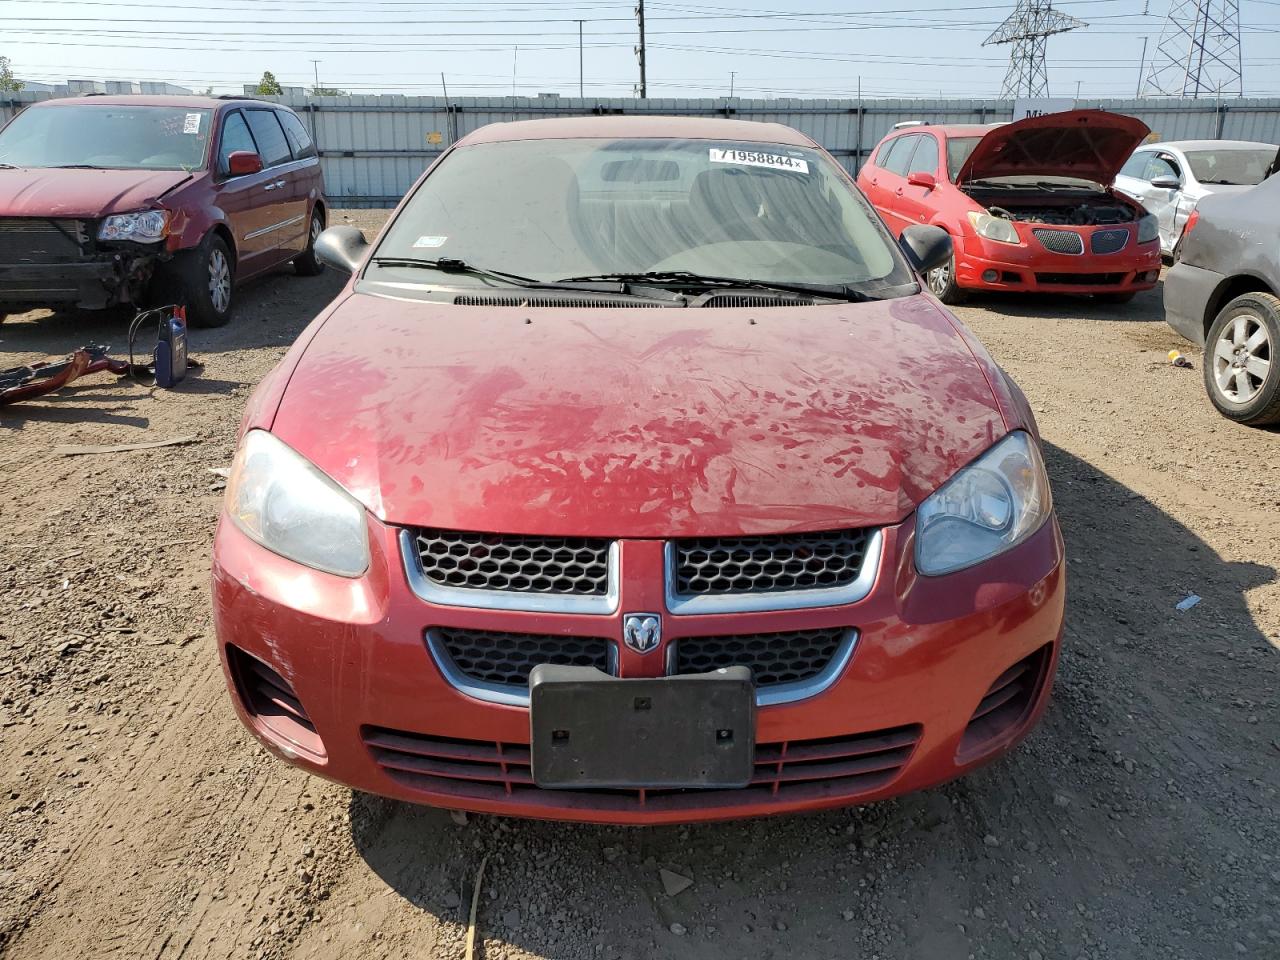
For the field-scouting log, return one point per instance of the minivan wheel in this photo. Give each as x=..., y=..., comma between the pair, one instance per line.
x=942, y=283
x=203, y=279
x=1239, y=373
x=305, y=264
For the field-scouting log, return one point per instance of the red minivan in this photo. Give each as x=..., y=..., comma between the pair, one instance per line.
x=129, y=200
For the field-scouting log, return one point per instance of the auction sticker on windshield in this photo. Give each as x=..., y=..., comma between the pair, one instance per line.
x=754, y=158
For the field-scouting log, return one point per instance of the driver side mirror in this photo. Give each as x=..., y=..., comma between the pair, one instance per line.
x=925, y=246
x=1166, y=182
x=240, y=163
x=343, y=248
x=919, y=178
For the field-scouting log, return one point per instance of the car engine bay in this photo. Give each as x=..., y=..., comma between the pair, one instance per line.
x=1097, y=209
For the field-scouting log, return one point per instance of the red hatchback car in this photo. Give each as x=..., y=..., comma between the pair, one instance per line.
x=634, y=478
x=1029, y=205
x=129, y=200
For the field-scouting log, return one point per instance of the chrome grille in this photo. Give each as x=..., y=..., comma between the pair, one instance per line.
x=769, y=564
x=512, y=563
x=505, y=659
x=774, y=658
x=1060, y=241
x=1109, y=241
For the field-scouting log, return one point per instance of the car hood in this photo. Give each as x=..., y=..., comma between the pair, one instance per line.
x=1088, y=144
x=638, y=422
x=35, y=192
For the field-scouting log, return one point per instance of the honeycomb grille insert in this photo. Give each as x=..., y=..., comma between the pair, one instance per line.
x=571, y=566
x=774, y=658
x=724, y=566
x=1109, y=241
x=506, y=659
x=1060, y=241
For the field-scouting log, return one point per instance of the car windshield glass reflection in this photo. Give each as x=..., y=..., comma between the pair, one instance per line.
x=555, y=209
x=107, y=137
x=1242, y=167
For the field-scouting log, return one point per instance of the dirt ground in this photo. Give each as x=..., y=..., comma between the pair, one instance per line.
x=137, y=818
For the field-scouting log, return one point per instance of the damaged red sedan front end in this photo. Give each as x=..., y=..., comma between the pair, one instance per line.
x=456, y=488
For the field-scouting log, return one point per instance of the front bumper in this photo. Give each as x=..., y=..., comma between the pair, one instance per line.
x=986, y=265
x=354, y=655
x=93, y=283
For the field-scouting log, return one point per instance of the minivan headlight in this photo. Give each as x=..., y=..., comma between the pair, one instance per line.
x=283, y=502
x=145, y=226
x=993, y=228
x=989, y=507
x=1148, y=228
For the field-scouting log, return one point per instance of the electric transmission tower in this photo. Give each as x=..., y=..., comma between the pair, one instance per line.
x=1028, y=28
x=1199, y=51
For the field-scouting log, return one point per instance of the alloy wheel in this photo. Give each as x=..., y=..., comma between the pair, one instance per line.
x=939, y=279
x=219, y=281
x=1242, y=358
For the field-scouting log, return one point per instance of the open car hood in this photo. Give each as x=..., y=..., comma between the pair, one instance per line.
x=1087, y=144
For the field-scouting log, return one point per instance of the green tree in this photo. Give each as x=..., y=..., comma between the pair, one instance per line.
x=269, y=86
x=8, y=83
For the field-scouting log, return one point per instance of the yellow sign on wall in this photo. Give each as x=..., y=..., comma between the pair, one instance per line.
x=435, y=137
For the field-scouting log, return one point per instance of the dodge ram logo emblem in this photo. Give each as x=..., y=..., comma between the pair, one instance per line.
x=642, y=632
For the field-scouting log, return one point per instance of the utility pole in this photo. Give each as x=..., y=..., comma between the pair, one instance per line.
x=640, y=51
x=733, y=74
x=1142, y=66
x=1198, y=51
x=1026, y=30
x=316, y=64
x=579, y=59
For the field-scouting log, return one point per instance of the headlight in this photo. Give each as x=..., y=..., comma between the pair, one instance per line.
x=993, y=228
x=1149, y=228
x=284, y=503
x=987, y=508
x=145, y=226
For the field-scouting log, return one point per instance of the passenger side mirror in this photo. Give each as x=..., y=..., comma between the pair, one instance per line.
x=918, y=178
x=926, y=246
x=1166, y=182
x=342, y=248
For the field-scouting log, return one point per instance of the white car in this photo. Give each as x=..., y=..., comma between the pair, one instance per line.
x=1169, y=179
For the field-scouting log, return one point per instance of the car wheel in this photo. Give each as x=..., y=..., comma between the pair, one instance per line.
x=1114, y=297
x=306, y=264
x=1242, y=380
x=942, y=283
x=204, y=280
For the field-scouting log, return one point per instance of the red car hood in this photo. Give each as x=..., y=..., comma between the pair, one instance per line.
x=638, y=423
x=1089, y=144
x=34, y=192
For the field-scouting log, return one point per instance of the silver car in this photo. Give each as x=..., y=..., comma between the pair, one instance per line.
x=1169, y=179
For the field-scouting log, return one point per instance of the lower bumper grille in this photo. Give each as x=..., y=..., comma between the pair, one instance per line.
x=1060, y=241
x=30, y=240
x=790, y=771
x=1109, y=241
x=1006, y=705
x=1081, y=279
x=492, y=657
x=270, y=699
x=774, y=658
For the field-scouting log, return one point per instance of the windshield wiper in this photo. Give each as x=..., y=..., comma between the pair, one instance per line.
x=451, y=265
x=686, y=278
x=7, y=166
x=76, y=166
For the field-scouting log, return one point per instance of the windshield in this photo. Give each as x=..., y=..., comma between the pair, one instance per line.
x=108, y=136
x=556, y=209
x=1245, y=167
x=958, y=150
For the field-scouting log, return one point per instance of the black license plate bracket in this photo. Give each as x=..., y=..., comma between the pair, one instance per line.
x=590, y=730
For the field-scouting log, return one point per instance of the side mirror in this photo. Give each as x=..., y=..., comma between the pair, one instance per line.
x=919, y=178
x=926, y=246
x=1166, y=182
x=342, y=248
x=243, y=162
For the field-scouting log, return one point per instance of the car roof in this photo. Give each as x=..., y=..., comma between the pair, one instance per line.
x=952, y=129
x=639, y=127
x=155, y=100
x=1208, y=145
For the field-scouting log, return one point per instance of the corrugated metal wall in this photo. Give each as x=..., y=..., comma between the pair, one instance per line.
x=374, y=147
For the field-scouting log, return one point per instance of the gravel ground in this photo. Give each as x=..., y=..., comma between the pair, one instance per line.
x=1141, y=820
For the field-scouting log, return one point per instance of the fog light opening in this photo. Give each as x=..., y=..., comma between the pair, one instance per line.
x=990, y=276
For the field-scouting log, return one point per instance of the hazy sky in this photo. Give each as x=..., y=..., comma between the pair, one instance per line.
x=900, y=48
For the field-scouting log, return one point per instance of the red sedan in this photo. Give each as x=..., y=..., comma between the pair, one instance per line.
x=634, y=478
x=1029, y=205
